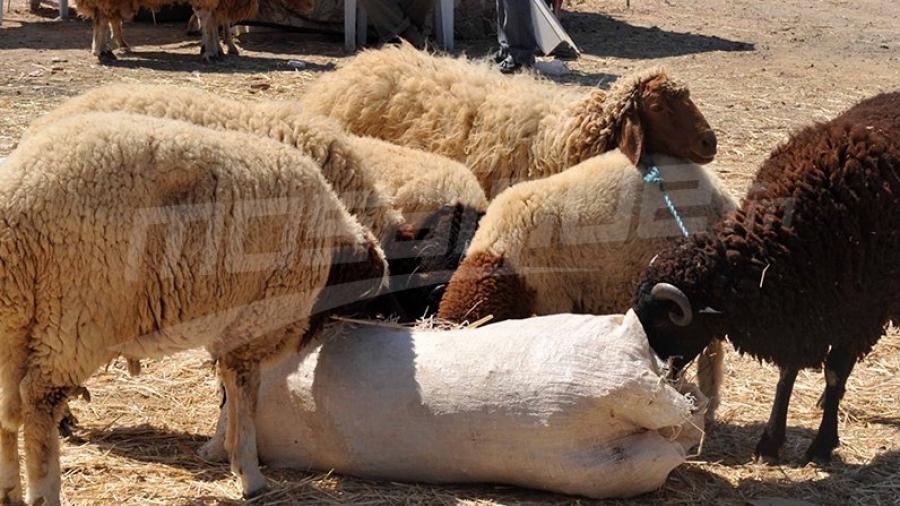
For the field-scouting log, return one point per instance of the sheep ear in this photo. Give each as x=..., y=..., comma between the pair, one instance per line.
x=631, y=137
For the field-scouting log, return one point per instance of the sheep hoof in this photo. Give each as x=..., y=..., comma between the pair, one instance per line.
x=253, y=484
x=67, y=426
x=106, y=56
x=768, y=448
x=213, y=451
x=820, y=450
x=11, y=496
x=42, y=501
x=212, y=57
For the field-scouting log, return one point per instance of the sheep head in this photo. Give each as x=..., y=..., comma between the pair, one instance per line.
x=666, y=120
x=421, y=266
x=357, y=275
x=673, y=305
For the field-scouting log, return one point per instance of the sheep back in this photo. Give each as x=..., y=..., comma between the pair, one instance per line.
x=315, y=136
x=577, y=241
x=458, y=108
x=145, y=236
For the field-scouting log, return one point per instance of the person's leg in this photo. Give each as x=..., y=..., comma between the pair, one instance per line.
x=417, y=11
x=515, y=33
x=389, y=20
x=501, y=34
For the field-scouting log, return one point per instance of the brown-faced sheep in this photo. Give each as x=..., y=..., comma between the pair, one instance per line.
x=507, y=129
x=577, y=242
x=141, y=237
x=212, y=15
x=805, y=273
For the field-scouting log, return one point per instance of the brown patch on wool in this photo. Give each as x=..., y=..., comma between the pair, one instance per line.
x=484, y=285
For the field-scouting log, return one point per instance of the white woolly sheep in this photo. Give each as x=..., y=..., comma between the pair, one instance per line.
x=400, y=193
x=577, y=242
x=211, y=15
x=507, y=129
x=141, y=237
x=318, y=137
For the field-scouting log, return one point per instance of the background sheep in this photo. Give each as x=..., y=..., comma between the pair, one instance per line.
x=382, y=184
x=442, y=202
x=805, y=273
x=212, y=14
x=87, y=276
x=317, y=137
x=577, y=242
x=507, y=129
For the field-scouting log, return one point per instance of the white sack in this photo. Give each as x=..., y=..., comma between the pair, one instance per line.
x=565, y=403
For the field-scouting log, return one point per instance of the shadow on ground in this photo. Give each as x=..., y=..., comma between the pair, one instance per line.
x=154, y=445
x=181, y=52
x=728, y=445
x=602, y=35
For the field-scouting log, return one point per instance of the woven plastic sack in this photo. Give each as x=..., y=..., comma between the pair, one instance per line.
x=565, y=403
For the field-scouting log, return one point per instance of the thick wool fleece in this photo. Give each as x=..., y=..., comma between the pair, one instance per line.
x=142, y=236
x=420, y=183
x=805, y=273
x=315, y=136
x=816, y=238
x=117, y=10
x=505, y=129
x=577, y=241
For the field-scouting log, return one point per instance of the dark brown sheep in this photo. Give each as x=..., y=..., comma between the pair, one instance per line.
x=804, y=274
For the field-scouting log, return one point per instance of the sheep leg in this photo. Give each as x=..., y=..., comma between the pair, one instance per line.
x=773, y=436
x=214, y=449
x=211, y=50
x=11, y=374
x=241, y=382
x=100, y=44
x=710, y=375
x=838, y=366
x=10, y=485
x=228, y=30
x=193, y=26
x=42, y=473
x=119, y=36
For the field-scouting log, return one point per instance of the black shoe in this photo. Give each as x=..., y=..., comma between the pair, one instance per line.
x=509, y=65
x=414, y=37
x=499, y=55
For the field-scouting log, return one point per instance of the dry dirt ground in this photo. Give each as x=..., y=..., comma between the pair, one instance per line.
x=757, y=70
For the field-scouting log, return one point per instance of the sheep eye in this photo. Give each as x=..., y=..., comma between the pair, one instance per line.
x=656, y=107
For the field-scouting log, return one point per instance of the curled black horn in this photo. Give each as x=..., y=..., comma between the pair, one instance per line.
x=665, y=291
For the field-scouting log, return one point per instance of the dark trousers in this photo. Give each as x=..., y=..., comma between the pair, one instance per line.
x=515, y=32
x=392, y=17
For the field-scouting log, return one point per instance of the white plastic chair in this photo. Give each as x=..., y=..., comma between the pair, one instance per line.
x=355, y=24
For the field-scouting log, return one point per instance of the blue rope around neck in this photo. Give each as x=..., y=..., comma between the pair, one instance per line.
x=652, y=176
